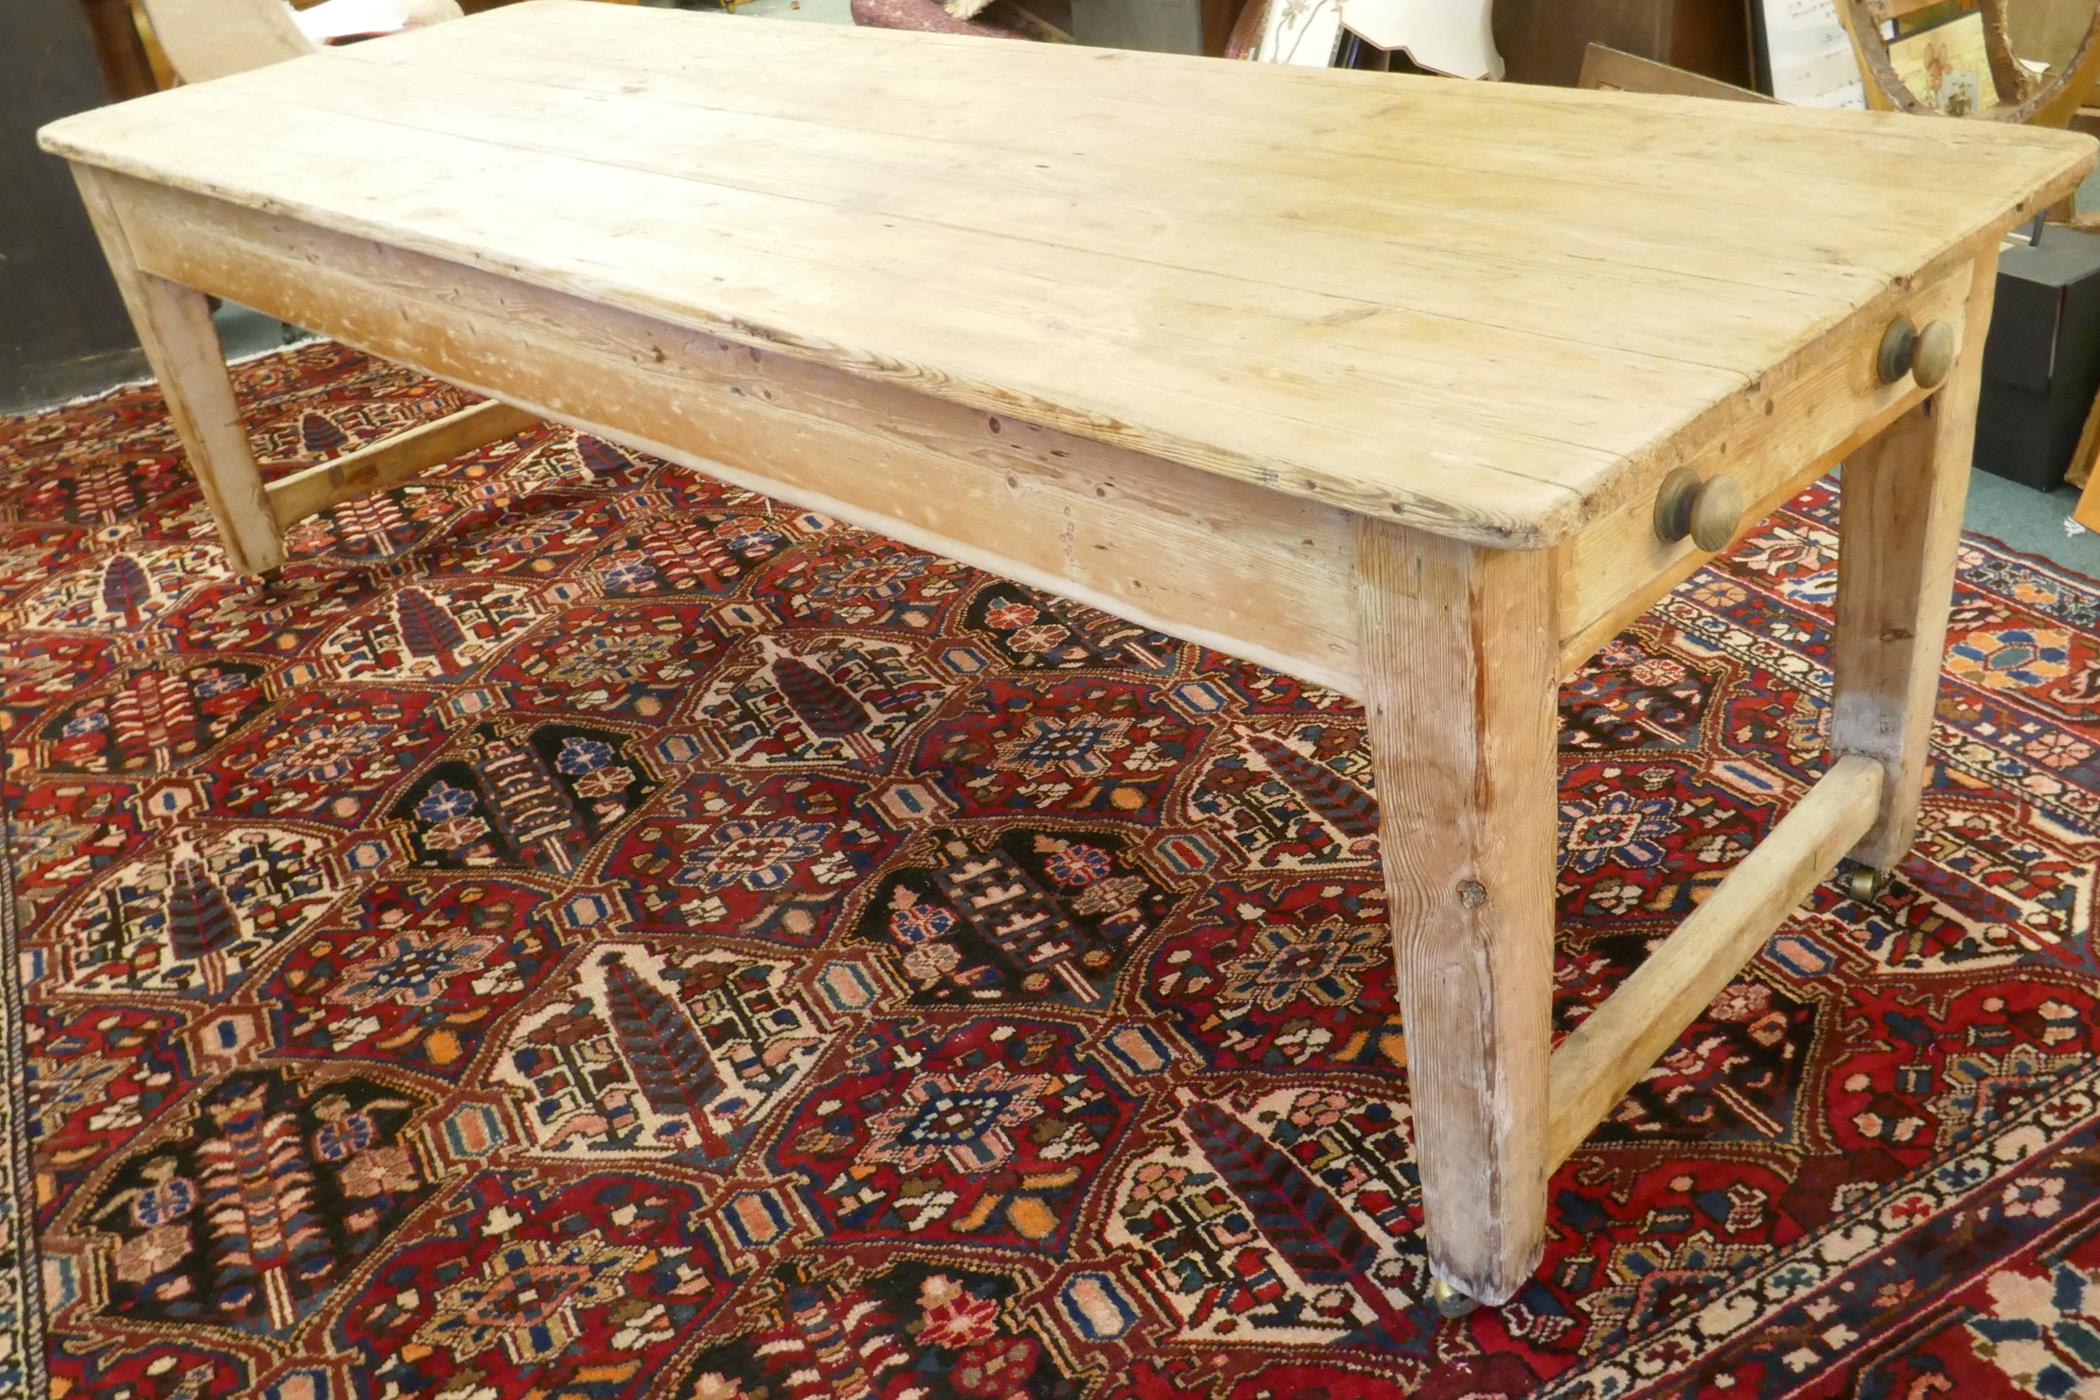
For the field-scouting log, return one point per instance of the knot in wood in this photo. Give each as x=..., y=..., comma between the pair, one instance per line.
x=1472, y=894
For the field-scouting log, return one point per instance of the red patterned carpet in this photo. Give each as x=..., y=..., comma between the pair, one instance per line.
x=593, y=933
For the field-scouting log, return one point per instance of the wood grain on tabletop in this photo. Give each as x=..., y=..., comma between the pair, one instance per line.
x=1488, y=310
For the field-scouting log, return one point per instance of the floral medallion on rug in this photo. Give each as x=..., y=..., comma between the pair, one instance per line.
x=588, y=932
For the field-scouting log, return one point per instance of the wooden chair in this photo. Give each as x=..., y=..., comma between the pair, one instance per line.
x=206, y=39
x=1612, y=70
x=2021, y=95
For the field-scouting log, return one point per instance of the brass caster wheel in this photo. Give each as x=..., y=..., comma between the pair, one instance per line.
x=1449, y=1301
x=1866, y=884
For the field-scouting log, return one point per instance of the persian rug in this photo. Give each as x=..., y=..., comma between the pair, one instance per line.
x=588, y=932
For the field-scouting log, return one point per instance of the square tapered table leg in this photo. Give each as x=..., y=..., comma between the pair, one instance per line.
x=1900, y=530
x=175, y=329
x=1459, y=649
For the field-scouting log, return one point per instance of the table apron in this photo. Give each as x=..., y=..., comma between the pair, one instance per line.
x=1796, y=423
x=1256, y=573
x=1260, y=574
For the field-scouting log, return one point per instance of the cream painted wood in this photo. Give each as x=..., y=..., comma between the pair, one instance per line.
x=1369, y=380
x=206, y=39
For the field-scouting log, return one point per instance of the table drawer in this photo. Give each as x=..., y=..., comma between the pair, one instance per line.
x=1770, y=441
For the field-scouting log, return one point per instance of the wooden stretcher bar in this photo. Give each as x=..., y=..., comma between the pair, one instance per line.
x=1615, y=1045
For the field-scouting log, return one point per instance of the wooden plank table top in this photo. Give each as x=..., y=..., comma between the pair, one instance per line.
x=1487, y=309
x=1414, y=389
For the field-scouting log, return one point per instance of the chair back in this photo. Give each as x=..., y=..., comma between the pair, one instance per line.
x=206, y=39
x=1611, y=70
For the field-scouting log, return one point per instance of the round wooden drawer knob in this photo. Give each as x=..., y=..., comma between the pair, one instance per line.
x=1927, y=356
x=1709, y=511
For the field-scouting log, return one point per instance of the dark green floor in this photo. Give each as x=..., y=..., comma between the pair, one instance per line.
x=2033, y=522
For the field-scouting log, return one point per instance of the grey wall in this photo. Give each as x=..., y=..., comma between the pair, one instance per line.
x=63, y=330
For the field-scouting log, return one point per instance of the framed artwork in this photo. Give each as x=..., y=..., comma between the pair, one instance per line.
x=1806, y=56
x=1947, y=67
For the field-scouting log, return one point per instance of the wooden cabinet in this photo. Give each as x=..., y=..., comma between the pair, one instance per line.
x=1542, y=41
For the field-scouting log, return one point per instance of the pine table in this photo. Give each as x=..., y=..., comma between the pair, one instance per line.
x=1419, y=390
